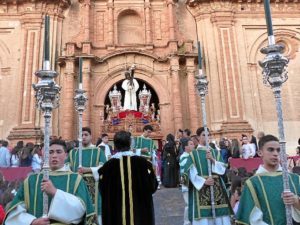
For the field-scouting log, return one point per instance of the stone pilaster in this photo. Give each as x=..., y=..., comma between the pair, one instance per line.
x=171, y=19
x=194, y=117
x=148, y=22
x=85, y=11
x=68, y=110
x=30, y=14
x=110, y=6
x=98, y=118
x=86, y=81
x=177, y=106
x=230, y=75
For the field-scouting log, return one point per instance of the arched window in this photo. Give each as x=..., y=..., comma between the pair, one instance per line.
x=130, y=28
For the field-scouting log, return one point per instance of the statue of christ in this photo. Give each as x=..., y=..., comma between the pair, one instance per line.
x=130, y=85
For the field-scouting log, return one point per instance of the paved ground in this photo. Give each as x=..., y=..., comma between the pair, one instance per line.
x=169, y=206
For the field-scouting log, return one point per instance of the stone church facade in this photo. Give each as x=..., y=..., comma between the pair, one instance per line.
x=159, y=37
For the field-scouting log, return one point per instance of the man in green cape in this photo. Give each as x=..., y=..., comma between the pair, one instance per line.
x=263, y=199
x=144, y=146
x=196, y=170
x=92, y=159
x=69, y=199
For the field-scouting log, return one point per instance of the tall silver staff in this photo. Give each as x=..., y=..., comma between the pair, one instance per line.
x=275, y=72
x=47, y=98
x=80, y=100
x=202, y=88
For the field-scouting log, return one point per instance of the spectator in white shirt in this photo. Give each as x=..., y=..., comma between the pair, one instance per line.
x=4, y=155
x=107, y=147
x=247, y=150
x=37, y=161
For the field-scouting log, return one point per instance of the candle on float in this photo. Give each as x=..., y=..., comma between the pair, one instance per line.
x=80, y=73
x=268, y=16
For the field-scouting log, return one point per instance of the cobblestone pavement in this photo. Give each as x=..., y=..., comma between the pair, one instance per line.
x=169, y=206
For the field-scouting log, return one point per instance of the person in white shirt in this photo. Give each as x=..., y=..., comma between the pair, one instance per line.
x=37, y=161
x=106, y=146
x=4, y=155
x=247, y=150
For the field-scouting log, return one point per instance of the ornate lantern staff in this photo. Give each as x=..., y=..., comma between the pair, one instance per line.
x=274, y=73
x=47, y=99
x=80, y=103
x=202, y=88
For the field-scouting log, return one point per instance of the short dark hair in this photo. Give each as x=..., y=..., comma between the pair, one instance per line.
x=4, y=143
x=188, y=132
x=122, y=140
x=200, y=130
x=104, y=135
x=179, y=130
x=265, y=139
x=87, y=129
x=59, y=142
x=148, y=127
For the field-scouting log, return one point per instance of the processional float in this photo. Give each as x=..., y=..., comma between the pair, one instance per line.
x=47, y=99
x=274, y=73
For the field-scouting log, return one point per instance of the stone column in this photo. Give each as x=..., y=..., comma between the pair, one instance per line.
x=29, y=119
x=177, y=106
x=85, y=4
x=98, y=117
x=68, y=117
x=171, y=19
x=86, y=81
x=110, y=6
x=194, y=117
x=148, y=22
x=165, y=111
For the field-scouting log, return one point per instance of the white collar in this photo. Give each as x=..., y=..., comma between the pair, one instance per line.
x=65, y=168
x=121, y=154
x=262, y=169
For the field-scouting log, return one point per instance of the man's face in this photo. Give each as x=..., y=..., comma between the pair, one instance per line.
x=179, y=134
x=270, y=153
x=245, y=140
x=202, y=138
x=105, y=139
x=57, y=157
x=185, y=134
x=195, y=140
x=86, y=138
x=147, y=133
x=130, y=129
x=190, y=146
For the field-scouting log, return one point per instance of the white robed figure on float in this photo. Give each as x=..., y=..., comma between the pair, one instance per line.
x=130, y=85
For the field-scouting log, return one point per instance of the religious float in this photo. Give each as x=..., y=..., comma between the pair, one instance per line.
x=137, y=111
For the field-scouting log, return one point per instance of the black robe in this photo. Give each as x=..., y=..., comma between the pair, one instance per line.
x=171, y=170
x=127, y=191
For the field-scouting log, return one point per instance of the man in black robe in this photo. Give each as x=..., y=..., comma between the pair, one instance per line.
x=127, y=183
